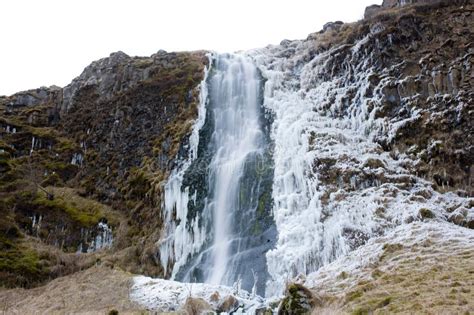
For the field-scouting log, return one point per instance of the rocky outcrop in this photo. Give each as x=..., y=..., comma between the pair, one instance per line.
x=298, y=300
x=381, y=108
x=373, y=10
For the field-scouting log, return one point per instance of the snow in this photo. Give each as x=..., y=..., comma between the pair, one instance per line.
x=167, y=295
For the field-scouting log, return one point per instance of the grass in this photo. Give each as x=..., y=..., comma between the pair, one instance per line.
x=431, y=277
x=97, y=290
x=86, y=212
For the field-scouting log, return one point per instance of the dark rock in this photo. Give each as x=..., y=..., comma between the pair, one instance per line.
x=332, y=26
x=371, y=11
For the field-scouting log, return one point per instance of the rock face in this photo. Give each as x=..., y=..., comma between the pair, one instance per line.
x=90, y=155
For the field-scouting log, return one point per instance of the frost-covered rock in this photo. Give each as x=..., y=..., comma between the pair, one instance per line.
x=166, y=296
x=361, y=131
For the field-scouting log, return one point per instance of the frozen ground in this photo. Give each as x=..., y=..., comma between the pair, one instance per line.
x=167, y=295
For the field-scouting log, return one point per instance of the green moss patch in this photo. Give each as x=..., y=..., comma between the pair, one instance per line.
x=86, y=212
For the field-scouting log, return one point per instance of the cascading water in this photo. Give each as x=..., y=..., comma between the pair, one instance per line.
x=222, y=199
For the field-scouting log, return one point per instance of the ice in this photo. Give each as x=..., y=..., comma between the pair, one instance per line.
x=325, y=125
x=77, y=159
x=178, y=241
x=103, y=240
x=334, y=186
x=167, y=295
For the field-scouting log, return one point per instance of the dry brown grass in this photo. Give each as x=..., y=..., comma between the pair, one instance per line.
x=431, y=277
x=97, y=290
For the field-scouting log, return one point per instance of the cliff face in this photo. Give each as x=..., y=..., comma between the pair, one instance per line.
x=373, y=132
x=373, y=129
x=85, y=162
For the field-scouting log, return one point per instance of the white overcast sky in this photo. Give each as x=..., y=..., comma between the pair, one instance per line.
x=49, y=42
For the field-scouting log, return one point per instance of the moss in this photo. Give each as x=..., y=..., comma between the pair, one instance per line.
x=354, y=295
x=65, y=170
x=138, y=184
x=65, y=145
x=20, y=265
x=377, y=273
x=256, y=228
x=52, y=180
x=143, y=62
x=86, y=214
x=262, y=202
x=13, y=186
x=298, y=300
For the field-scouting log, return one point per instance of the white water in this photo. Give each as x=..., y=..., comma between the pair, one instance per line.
x=217, y=230
x=237, y=135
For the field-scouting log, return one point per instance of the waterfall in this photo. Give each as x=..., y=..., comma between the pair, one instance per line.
x=225, y=192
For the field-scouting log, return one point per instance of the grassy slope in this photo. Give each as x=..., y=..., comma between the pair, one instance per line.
x=422, y=268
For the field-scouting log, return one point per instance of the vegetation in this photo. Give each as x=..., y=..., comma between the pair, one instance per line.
x=84, y=211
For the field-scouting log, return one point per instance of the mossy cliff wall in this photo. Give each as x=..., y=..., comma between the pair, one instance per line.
x=94, y=151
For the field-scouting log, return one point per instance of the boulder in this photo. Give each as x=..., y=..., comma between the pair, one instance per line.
x=196, y=306
x=229, y=304
x=332, y=26
x=371, y=11
x=298, y=300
